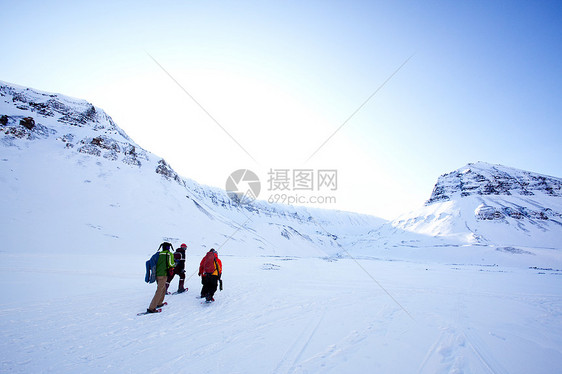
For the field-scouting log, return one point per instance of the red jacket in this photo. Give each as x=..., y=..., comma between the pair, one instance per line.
x=210, y=264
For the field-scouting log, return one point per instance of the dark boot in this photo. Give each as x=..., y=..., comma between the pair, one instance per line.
x=181, y=287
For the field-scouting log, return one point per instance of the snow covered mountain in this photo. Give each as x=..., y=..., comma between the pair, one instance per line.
x=64, y=160
x=489, y=204
x=63, y=157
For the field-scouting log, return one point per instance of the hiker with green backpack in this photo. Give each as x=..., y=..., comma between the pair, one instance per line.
x=162, y=268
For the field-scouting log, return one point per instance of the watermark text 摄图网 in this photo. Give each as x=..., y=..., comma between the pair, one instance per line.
x=302, y=179
x=302, y=186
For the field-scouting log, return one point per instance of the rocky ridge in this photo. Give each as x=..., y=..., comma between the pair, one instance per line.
x=29, y=116
x=486, y=179
x=483, y=179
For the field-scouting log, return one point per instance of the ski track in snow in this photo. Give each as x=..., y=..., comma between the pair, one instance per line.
x=297, y=348
x=451, y=348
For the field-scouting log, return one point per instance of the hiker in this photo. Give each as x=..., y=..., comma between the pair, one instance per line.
x=210, y=271
x=163, y=266
x=179, y=269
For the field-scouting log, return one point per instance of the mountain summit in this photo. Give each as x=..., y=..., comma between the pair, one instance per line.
x=483, y=179
x=482, y=203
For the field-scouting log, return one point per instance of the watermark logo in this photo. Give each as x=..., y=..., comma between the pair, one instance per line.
x=285, y=186
x=243, y=186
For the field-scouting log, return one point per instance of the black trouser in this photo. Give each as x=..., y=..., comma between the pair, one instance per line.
x=181, y=273
x=210, y=283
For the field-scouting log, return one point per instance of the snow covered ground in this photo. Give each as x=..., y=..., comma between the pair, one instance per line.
x=279, y=315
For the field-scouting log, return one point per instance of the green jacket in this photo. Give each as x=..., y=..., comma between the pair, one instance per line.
x=165, y=261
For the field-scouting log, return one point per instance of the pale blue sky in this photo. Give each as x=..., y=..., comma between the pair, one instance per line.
x=484, y=84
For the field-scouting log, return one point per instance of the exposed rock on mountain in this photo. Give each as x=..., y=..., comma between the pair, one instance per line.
x=491, y=204
x=486, y=179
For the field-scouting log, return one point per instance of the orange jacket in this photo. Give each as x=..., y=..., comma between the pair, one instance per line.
x=210, y=264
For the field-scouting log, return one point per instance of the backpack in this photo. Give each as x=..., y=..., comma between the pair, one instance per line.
x=181, y=252
x=209, y=264
x=150, y=276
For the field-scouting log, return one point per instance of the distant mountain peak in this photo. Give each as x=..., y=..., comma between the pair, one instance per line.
x=489, y=204
x=482, y=178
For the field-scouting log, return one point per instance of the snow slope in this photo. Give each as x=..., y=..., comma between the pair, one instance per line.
x=306, y=290
x=76, y=162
